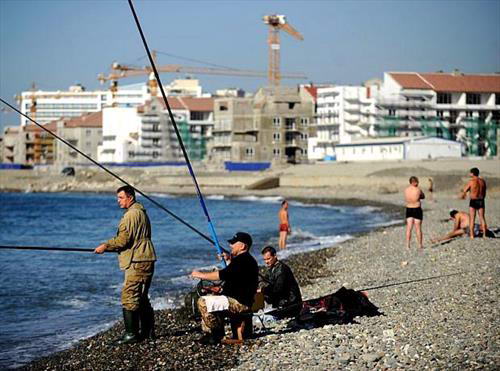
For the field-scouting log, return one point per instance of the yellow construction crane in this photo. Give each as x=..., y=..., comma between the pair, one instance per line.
x=122, y=70
x=276, y=23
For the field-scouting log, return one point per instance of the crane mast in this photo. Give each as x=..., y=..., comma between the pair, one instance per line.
x=277, y=23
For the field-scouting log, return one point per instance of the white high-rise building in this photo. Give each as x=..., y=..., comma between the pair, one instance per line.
x=46, y=106
x=344, y=114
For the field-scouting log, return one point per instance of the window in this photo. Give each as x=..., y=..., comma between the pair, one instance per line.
x=444, y=98
x=249, y=152
x=473, y=98
x=276, y=136
x=483, y=115
x=468, y=113
x=276, y=152
x=223, y=106
x=392, y=112
x=277, y=121
x=303, y=135
x=304, y=121
x=497, y=99
x=291, y=105
x=88, y=132
x=88, y=144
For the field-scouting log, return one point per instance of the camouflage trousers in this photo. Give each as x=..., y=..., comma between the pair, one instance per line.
x=136, y=285
x=214, y=321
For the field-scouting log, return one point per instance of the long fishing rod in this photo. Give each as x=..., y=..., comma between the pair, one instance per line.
x=411, y=281
x=45, y=248
x=179, y=138
x=109, y=172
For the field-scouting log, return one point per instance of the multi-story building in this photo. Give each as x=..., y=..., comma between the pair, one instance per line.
x=29, y=145
x=32, y=145
x=145, y=133
x=455, y=106
x=344, y=114
x=46, y=106
x=83, y=132
x=464, y=108
x=268, y=127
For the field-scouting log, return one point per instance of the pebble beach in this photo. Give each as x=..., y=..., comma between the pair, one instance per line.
x=439, y=305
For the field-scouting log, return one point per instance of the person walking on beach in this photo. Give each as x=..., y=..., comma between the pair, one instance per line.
x=477, y=193
x=285, y=227
x=136, y=257
x=431, y=189
x=240, y=278
x=414, y=215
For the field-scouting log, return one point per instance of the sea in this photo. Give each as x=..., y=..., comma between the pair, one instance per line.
x=49, y=300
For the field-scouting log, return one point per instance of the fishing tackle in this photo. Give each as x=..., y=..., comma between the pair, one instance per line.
x=177, y=133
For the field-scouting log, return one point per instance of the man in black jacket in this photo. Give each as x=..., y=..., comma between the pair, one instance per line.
x=240, y=285
x=280, y=289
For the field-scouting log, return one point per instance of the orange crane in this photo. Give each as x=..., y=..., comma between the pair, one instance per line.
x=122, y=70
x=276, y=23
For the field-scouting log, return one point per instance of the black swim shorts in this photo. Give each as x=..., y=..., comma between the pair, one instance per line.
x=415, y=213
x=477, y=204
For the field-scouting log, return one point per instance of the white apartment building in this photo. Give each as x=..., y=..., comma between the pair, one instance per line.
x=45, y=106
x=344, y=114
x=453, y=106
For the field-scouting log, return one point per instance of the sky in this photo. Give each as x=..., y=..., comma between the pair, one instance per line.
x=58, y=43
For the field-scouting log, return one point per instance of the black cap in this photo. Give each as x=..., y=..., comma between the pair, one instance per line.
x=241, y=237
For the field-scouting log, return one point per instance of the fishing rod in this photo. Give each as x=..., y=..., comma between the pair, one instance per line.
x=177, y=133
x=45, y=248
x=109, y=172
x=411, y=281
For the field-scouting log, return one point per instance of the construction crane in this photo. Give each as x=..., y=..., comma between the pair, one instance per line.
x=122, y=70
x=277, y=23
x=19, y=100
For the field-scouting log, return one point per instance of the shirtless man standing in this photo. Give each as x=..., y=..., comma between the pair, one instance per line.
x=284, y=225
x=414, y=215
x=461, y=226
x=477, y=188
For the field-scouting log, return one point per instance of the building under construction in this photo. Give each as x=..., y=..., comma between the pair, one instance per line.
x=456, y=106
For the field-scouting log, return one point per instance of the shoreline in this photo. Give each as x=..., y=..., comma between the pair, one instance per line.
x=425, y=324
x=405, y=337
x=307, y=265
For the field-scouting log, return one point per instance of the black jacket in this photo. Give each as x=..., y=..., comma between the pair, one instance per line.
x=282, y=289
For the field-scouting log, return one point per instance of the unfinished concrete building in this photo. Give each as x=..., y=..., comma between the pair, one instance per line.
x=269, y=127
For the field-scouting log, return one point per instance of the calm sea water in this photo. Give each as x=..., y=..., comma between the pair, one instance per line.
x=50, y=300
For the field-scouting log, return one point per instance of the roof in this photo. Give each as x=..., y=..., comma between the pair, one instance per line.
x=313, y=90
x=188, y=103
x=448, y=82
x=392, y=140
x=89, y=120
x=52, y=126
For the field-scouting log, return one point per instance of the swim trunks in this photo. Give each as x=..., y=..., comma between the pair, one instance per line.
x=477, y=204
x=284, y=227
x=415, y=213
x=477, y=230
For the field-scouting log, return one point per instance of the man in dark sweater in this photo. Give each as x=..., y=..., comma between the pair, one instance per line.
x=240, y=285
x=280, y=289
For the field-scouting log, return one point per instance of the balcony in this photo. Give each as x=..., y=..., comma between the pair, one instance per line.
x=292, y=127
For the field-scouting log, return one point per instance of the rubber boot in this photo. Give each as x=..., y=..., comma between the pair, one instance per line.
x=131, y=321
x=147, y=317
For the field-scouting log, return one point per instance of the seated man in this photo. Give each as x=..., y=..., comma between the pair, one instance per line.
x=240, y=285
x=461, y=226
x=280, y=289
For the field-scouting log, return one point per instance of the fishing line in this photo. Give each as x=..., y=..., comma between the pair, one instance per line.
x=179, y=138
x=412, y=281
x=110, y=172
